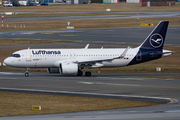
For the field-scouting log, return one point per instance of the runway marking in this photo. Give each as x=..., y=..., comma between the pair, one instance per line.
x=121, y=42
x=122, y=84
x=68, y=35
x=47, y=33
x=162, y=87
x=134, y=85
x=87, y=82
x=173, y=111
x=149, y=116
x=36, y=39
x=134, y=78
x=98, y=41
x=10, y=73
x=100, y=83
x=122, y=78
x=28, y=33
x=77, y=40
x=170, y=79
x=7, y=78
x=169, y=44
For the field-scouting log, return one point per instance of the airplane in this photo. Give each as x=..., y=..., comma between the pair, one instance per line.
x=72, y=61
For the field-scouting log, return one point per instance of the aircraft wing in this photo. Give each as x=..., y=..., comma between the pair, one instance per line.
x=94, y=61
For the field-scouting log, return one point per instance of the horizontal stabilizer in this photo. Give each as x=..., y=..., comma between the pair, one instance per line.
x=162, y=53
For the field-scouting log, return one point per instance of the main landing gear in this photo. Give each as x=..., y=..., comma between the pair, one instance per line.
x=26, y=73
x=87, y=73
x=80, y=73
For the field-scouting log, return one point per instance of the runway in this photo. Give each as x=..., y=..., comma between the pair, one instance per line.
x=123, y=85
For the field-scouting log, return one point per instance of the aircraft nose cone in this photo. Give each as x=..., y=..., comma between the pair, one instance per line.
x=7, y=61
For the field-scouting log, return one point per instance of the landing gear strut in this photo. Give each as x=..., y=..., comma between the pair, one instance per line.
x=80, y=73
x=26, y=73
x=87, y=73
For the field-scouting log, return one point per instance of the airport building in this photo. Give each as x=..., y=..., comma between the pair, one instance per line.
x=133, y=1
x=77, y=1
x=111, y=1
x=149, y=3
x=54, y=1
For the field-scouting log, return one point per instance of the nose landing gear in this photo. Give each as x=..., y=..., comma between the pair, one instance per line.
x=26, y=73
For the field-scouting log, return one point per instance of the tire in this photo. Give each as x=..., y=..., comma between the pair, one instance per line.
x=88, y=74
x=80, y=73
x=26, y=74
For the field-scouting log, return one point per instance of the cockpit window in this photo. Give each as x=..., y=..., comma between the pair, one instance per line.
x=15, y=55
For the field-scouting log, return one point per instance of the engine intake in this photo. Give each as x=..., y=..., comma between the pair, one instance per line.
x=68, y=68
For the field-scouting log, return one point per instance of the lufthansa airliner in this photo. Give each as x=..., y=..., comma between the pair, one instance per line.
x=72, y=61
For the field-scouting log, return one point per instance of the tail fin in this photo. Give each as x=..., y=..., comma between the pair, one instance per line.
x=156, y=38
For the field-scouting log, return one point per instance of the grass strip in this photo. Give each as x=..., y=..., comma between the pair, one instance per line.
x=20, y=104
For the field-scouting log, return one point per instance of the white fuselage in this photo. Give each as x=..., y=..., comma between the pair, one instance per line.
x=39, y=58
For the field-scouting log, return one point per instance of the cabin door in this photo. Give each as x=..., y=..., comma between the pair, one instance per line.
x=28, y=56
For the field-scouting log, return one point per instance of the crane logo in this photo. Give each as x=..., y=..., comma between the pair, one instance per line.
x=156, y=40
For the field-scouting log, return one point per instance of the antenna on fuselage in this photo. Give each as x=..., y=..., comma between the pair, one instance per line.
x=28, y=48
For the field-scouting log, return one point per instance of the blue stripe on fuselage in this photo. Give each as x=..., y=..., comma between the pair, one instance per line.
x=145, y=55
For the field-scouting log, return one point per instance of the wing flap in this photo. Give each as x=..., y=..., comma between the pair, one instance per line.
x=95, y=60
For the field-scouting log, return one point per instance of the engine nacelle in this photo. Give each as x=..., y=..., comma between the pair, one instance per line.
x=68, y=68
x=53, y=70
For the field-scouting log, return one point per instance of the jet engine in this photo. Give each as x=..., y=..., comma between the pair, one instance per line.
x=68, y=68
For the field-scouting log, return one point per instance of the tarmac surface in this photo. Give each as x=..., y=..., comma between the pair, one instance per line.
x=119, y=85
x=159, y=14
x=95, y=37
x=129, y=86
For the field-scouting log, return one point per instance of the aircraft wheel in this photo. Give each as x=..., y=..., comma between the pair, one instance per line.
x=80, y=73
x=26, y=74
x=88, y=73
